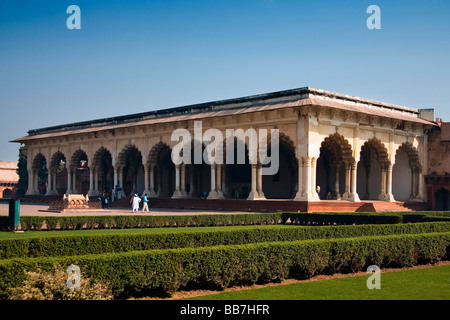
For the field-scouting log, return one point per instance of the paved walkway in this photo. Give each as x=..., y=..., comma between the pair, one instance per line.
x=33, y=209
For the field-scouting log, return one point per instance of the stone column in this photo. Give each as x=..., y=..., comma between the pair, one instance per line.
x=177, y=192
x=420, y=186
x=307, y=195
x=146, y=179
x=213, y=193
x=51, y=190
x=55, y=191
x=121, y=182
x=347, y=193
x=49, y=183
x=299, y=196
x=253, y=195
x=91, y=182
x=224, y=180
x=259, y=177
x=159, y=181
x=191, y=181
x=34, y=187
x=337, y=195
x=183, y=180
x=74, y=181
x=152, y=192
x=116, y=178
x=30, y=189
x=219, y=180
x=35, y=182
x=354, y=194
x=389, y=196
x=314, y=179
x=30, y=182
x=96, y=190
x=413, y=184
x=383, y=184
x=69, y=181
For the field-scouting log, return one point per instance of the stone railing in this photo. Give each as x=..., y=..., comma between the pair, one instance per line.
x=74, y=201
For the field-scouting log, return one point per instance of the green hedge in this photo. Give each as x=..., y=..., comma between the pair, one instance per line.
x=96, y=244
x=133, y=221
x=166, y=271
x=339, y=218
x=136, y=221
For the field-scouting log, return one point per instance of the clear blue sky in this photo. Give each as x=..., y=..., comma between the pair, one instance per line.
x=137, y=56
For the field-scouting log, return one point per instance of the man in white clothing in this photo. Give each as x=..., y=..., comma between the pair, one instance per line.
x=135, y=203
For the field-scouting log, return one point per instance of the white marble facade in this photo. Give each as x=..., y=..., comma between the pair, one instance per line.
x=349, y=147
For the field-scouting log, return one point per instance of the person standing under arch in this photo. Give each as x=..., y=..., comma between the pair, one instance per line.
x=145, y=203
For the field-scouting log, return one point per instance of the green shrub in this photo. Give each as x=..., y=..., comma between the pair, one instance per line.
x=132, y=221
x=42, y=285
x=166, y=271
x=95, y=244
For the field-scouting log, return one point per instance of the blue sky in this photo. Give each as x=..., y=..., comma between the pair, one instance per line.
x=132, y=57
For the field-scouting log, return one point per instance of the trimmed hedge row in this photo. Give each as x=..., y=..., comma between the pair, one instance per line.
x=136, y=221
x=166, y=271
x=114, y=243
x=133, y=221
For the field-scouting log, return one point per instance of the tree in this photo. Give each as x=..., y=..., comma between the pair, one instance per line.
x=22, y=167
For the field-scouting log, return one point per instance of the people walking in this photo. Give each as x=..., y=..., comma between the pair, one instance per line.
x=145, y=203
x=135, y=203
x=118, y=192
x=105, y=200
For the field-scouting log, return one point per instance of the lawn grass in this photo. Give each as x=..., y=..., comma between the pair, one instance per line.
x=431, y=283
x=37, y=234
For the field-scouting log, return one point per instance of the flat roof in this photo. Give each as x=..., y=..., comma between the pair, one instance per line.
x=254, y=103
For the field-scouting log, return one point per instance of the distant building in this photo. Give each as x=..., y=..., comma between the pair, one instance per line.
x=438, y=175
x=8, y=179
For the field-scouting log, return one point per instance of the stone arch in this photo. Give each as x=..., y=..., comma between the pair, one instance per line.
x=102, y=163
x=237, y=173
x=129, y=162
x=332, y=167
x=38, y=160
x=39, y=167
x=79, y=158
x=371, y=170
x=56, y=160
x=79, y=166
x=406, y=172
x=382, y=153
x=198, y=175
x=283, y=184
x=99, y=155
x=413, y=155
x=339, y=147
x=159, y=161
x=58, y=169
x=154, y=152
x=125, y=152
